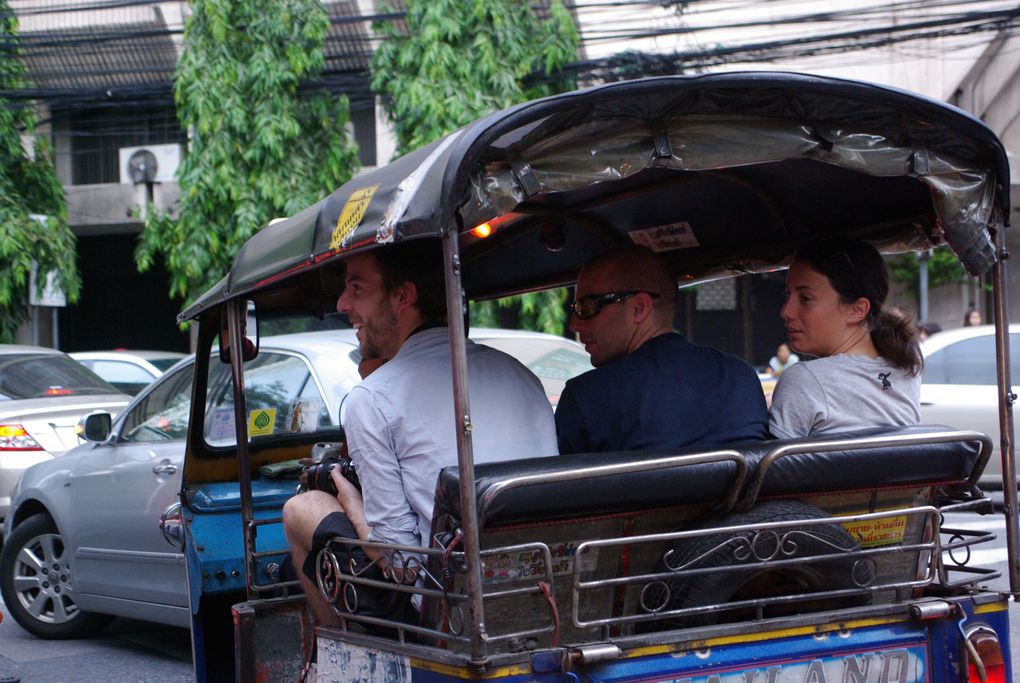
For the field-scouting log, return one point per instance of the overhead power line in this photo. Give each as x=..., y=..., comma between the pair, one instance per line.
x=792, y=33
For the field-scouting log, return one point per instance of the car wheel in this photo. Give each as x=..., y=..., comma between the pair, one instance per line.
x=37, y=583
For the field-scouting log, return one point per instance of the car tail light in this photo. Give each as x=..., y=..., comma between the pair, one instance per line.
x=59, y=391
x=14, y=437
x=983, y=654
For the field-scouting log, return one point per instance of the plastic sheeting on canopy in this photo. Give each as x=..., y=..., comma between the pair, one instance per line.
x=550, y=152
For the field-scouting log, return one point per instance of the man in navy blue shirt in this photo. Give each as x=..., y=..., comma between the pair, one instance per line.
x=651, y=389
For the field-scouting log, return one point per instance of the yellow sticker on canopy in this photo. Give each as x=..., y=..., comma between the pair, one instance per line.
x=351, y=215
x=261, y=421
x=875, y=532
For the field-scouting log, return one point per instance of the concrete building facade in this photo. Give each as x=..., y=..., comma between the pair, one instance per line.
x=102, y=78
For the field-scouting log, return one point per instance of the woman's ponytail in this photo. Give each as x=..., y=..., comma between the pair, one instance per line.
x=895, y=338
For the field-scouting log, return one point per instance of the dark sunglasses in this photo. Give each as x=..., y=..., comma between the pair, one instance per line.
x=589, y=306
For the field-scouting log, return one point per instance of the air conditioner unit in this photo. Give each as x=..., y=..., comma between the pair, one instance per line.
x=149, y=163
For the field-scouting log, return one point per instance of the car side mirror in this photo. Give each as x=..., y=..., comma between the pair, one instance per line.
x=171, y=524
x=95, y=427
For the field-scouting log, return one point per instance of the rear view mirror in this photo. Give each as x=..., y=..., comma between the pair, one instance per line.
x=249, y=336
x=95, y=427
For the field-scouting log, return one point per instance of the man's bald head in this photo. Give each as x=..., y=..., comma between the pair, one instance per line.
x=637, y=268
x=632, y=295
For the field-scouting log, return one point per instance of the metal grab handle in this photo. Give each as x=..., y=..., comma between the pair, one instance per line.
x=165, y=467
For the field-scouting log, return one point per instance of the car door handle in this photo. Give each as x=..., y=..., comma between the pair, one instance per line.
x=165, y=467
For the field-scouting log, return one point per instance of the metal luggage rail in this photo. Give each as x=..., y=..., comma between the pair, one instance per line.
x=933, y=560
x=786, y=537
x=339, y=586
x=956, y=549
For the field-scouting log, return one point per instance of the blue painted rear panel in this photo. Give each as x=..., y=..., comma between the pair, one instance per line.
x=215, y=534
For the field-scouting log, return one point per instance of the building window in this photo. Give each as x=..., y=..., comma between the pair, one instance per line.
x=363, y=120
x=98, y=134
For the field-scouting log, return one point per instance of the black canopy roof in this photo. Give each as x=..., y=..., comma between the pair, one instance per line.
x=723, y=173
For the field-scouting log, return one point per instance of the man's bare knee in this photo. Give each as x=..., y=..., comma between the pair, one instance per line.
x=303, y=513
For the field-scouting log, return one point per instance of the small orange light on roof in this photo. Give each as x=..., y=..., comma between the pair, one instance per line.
x=482, y=231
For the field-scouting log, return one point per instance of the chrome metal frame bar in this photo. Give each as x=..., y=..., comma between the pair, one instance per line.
x=579, y=586
x=1006, y=399
x=465, y=449
x=237, y=310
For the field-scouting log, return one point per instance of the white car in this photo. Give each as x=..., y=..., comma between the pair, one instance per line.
x=95, y=513
x=43, y=395
x=128, y=371
x=959, y=387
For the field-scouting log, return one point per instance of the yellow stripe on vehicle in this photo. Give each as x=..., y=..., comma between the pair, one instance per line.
x=466, y=672
x=766, y=635
x=1000, y=606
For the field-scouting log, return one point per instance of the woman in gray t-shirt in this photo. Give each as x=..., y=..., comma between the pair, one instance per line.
x=868, y=365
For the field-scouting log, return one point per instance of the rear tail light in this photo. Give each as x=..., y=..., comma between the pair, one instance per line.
x=983, y=654
x=14, y=437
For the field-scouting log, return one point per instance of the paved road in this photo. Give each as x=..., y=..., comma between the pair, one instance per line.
x=126, y=651
x=130, y=650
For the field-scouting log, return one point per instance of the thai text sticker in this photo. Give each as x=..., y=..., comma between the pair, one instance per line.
x=525, y=564
x=261, y=421
x=351, y=215
x=666, y=237
x=875, y=532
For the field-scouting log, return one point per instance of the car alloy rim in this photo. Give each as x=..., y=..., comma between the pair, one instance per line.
x=42, y=580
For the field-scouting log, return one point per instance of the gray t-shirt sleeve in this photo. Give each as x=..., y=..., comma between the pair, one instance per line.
x=798, y=403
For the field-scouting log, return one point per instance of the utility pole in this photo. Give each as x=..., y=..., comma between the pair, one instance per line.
x=922, y=285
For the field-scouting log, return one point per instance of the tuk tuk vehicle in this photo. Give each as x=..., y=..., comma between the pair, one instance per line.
x=815, y=560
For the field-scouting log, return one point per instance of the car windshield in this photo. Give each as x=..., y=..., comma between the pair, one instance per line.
x=164, y=364
x=27, y=375
x=281, y=397
x=553, y=361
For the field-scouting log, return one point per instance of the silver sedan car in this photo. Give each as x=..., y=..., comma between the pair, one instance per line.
x=128, y=371
x=959, y=387
x=43, y=395
x=84, y=540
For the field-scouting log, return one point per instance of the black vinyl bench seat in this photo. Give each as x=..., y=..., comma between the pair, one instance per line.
x=580, y=485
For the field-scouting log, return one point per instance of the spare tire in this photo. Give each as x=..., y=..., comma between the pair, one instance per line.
x=759, y=580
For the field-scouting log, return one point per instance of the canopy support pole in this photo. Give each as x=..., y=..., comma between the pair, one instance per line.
x=465, y=452
x=237, y=311
x=1006, y=399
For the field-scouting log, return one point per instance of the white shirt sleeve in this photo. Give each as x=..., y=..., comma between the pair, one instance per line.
x=372, y=447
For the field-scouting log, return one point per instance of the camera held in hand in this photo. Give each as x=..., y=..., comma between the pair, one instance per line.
x=326, y=457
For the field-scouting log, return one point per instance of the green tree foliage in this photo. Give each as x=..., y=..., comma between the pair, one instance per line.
x=258, y=148
x=943, y=268
x=28, y=185
x=457, y=60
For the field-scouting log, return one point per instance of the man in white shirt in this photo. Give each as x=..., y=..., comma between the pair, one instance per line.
x=400, y=423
